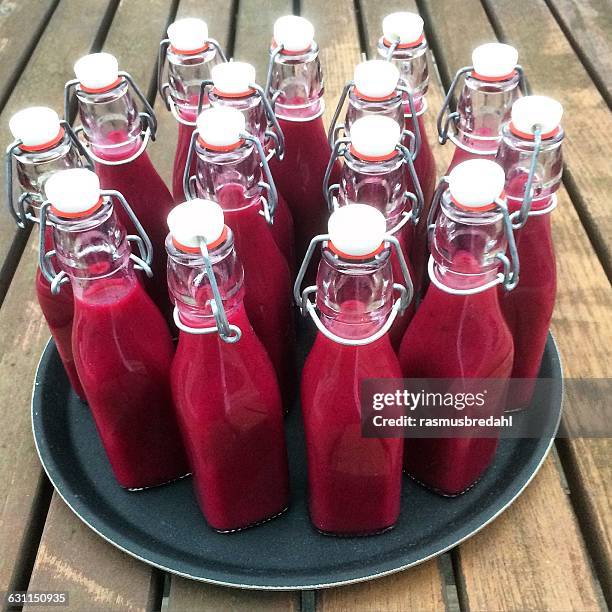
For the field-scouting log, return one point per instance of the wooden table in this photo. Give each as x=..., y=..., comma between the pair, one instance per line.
x=552, y=550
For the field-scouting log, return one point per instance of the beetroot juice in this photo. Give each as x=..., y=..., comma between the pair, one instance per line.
x=458, y=331
x=296, y=87
x=354, y=482
x=189, y=55
x=529, y=308
x=122, y=347
x=223, y=382
x=43, y=146
x=113, y=127
x=228, y=171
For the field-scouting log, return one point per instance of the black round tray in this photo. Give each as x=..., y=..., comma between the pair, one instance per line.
x=163, y=526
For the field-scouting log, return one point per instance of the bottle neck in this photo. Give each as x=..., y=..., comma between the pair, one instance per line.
x=515, y=154
x=110, y=121
x=381, y=184
x=298, y=81
x=251, y=107
x=230, y=178
x=189, y=286
x=35, y=167
x=93, y=249
x=185, y=74
x=483, y=108
x=354, y=297
x=358, y=107
x=465, y=245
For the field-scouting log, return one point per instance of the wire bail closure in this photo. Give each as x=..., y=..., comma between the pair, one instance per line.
x=228, y=332
x=268, y=203
x=273, y=131
x=307, y=307
x=142, y=240
x=341, y=149
x=20, y=210
x=445, y=121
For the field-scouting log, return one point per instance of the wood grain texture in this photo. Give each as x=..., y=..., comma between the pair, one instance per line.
x=25, y=331
x=588, y=26
x=96, y=575
x=554, y=69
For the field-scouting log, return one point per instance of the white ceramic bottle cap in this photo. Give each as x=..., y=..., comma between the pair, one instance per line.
x=529, y=111
x=403, y=26
x=376, y=79
x=356, y=229
x=494, y=60
x=375, y=136
x=233, y=77
x=476, y=183
x=97, y=70
x=193, y=219
x=35, y=126
x=189, y=34
x=73, y=191
x=221, y=126
x=294, y=33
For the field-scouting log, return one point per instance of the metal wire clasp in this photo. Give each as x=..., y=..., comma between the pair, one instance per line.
x=142, y=240
x=227, y=332
x=307, y=307
x=444, y=121
x=268, y=203
x=20, y=210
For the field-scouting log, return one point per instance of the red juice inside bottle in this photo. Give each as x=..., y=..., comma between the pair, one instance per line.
x=232, y=177
x=226, y=393
x=185, y=132
x=354, y=482
x=45, y=148
x=528, y=309
x=458, y=336
x=122, y=347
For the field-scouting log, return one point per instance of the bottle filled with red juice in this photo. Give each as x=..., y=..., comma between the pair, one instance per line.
x=459, y=332
x=44, y=145
x=117, y=136
x=531, y=156
x=490, y=87
x=229, y=171
x=226, y=393
x=295, y=88
x=354, y=482
x=121, y=344
x=189, y=54
x=378, y=170
x=404, y=44
x=233, y=85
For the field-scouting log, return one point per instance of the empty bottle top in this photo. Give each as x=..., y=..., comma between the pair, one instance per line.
x=494, y=60
x=294, y=33
x=476, y=184
x=404, y=27
x=374, y=137
x=356, y=230
x=35, y=126
x=74, y=192
x=221, y=127
x=376, y=79
x=531, y=111
x=188, y=35
x=195, y=219
x=233, y=78
x=97, y=71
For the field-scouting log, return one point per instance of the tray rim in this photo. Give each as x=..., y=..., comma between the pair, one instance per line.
x=300, y=587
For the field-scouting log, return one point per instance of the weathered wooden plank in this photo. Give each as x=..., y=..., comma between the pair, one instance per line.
x=588, y=26
x=419, y=588
x=99, y=576
x=96, y=575
x=25, y=331
x=554, y=69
